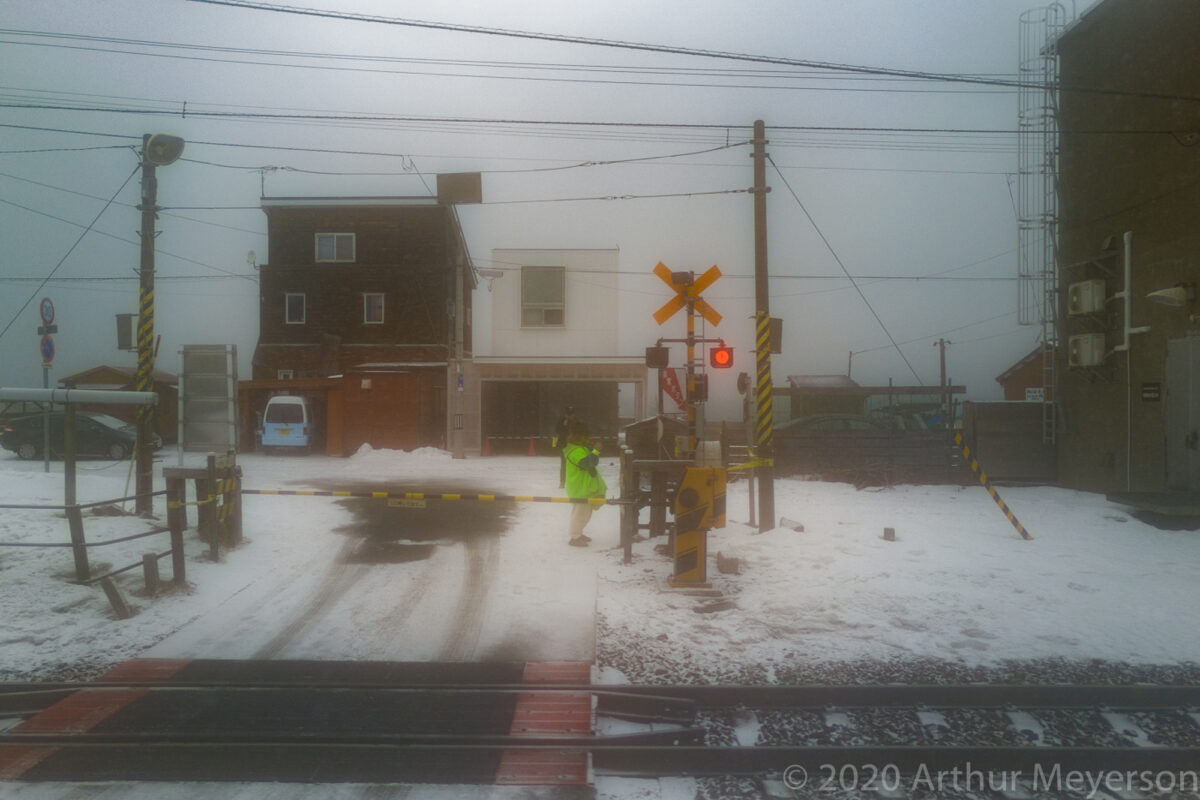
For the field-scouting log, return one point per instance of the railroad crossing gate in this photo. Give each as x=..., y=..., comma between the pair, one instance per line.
x=699, y=506
x=687, y=291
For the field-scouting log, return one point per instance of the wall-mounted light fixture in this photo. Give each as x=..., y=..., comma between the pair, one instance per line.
x=491, y=275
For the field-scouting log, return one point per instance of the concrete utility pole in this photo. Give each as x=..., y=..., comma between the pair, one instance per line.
x=157, y=150
x=941, y=345
x=765, y=420
x=145, y=334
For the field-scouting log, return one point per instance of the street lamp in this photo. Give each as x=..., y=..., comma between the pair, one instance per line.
x=158, y=149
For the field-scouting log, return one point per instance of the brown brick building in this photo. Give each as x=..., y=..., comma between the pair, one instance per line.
x=1129, y=248
x=365, y=306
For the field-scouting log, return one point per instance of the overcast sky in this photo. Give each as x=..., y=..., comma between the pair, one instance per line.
x=82, y=81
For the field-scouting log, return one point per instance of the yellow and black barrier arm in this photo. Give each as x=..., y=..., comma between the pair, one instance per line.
x=515, y=498
x=983, y=479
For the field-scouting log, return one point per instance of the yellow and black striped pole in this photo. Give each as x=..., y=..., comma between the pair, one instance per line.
x=983, y=479
x=145, y=334
x=691, y=370
x=764, y=426
x=765, y=416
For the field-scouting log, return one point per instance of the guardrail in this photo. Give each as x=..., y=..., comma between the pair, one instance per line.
x=80, y=546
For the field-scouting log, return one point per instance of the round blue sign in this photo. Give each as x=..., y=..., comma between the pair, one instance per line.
x=47, y=349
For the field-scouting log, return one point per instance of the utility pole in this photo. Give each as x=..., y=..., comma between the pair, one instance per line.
x=941, y=345
x=765, y=420
x=157, y=150
x=145, y=334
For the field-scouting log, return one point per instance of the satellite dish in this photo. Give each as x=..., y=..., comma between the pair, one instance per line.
x=162, y=149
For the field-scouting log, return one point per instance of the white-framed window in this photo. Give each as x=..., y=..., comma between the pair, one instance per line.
x=294, y=310
x=335, y=247
x=285, y=374
x=543, y=297
x=372, y=308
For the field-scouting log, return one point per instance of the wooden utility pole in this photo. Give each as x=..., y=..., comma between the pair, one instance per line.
x=765, y=418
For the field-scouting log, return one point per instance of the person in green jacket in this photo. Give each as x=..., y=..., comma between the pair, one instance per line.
x=583, y=480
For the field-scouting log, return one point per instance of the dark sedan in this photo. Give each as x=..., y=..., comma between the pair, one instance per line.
x=96, y=436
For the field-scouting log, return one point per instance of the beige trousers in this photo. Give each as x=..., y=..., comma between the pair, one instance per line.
x=580, y=514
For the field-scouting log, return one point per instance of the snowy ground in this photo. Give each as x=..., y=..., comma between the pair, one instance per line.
x=957, y=596
x=957, y=586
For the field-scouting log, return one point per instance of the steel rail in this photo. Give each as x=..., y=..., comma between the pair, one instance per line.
x=931, y=696
x=644, y=755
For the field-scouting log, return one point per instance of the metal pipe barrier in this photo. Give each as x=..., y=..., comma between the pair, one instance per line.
x=79, y=545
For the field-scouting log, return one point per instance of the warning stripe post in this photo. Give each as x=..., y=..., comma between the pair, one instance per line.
x=515, y=498
x=983, y=479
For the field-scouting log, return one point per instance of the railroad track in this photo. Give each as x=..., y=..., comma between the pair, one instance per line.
x=893, y=735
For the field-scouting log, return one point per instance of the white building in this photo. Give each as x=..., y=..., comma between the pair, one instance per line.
x=553, y=342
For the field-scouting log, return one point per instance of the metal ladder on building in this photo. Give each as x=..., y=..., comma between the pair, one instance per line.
x=1037, y=193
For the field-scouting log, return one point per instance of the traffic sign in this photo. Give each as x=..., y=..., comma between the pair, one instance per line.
x=47, y=348
x=685, y=292
x=47, y=310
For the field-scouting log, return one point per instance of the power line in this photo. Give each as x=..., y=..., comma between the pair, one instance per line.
x=118, y=238
x=838, y=259
x=70, y=250
x=498, y=65
x=125, y=205
x=856, y=69
x=944, y=333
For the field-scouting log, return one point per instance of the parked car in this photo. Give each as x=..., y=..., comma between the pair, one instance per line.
x=96, y=436
x=287, y=423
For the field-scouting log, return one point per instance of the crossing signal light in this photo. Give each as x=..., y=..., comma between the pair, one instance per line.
x=720, y=357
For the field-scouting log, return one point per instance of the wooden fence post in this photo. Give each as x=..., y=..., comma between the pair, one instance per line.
x=177, y=522
x=235, y=497
x=75, y=520
x=150, y=572
x=209, y=503
x=629, y=512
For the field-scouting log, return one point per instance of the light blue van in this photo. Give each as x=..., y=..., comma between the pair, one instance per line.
x=287, y=422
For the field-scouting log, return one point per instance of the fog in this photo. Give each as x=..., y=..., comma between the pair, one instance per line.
x=917, y=202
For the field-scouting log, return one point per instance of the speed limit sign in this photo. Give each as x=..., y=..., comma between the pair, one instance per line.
x=47, y=311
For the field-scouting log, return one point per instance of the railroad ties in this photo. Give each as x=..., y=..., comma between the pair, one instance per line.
x=281, y=721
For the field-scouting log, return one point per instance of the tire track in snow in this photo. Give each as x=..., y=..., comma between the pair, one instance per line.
x=482, y=556
x=338, y=580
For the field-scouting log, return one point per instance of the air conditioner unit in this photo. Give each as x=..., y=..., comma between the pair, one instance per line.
x=1086, y=350
x=1085, y=297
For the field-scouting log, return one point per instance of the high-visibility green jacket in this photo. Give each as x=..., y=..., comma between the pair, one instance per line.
x=582, y=478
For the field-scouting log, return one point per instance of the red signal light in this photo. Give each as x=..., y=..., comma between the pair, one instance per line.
x=720, y=357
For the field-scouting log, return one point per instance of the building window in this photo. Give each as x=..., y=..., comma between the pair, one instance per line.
x=373, y=308
x=285, y=374
x=542, y=297
x=335, y=247
x=293, y=308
